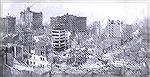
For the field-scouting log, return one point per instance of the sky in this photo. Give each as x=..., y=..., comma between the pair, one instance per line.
x=129, y=12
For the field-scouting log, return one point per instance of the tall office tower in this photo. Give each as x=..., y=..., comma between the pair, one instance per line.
x=70, y=23
x=8, y=24
x=31, y=20
x=59, y=38
x=127, y=31
x=113, y=28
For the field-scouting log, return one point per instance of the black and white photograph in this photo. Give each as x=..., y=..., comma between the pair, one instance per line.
x=74, y=40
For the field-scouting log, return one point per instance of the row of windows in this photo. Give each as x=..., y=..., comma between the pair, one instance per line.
x=42, y=59
x=58, y=31
x=42, y=65
x=60, y=38
x=42, y=46
x=60, y=41
x=55, y=31
x=58, y=35
x=62, y=31
x=62, y=35
x=54, y=35
x=62, y=44
x=32, y=62
x=56, y=41
x=58, y=45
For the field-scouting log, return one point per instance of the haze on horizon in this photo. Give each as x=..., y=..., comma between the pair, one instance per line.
x=130, y=12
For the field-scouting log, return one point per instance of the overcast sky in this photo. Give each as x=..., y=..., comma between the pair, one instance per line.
x=93, y=11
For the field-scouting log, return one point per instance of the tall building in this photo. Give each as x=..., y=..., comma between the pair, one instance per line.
x=31, y=20
x=26, y=37
x=8, y=24
x=59, y=42
x=70, y=23
x=127, y=31
x=96, y=28
x=113, y=28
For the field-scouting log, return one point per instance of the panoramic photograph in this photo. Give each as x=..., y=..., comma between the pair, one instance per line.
x=74, y=40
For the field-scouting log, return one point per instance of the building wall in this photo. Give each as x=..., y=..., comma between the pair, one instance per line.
x=37, y=20
x=127, y=31
x=26, y=37
x=18, y=52
x=30, y=19
x=38, y=61
x=70, y=23
x=40, y=48
x=8, y=54
x=96, y=28
x=81, y=37
x=114, y=28
x=81, y=23
x=59, y=41
x=9, y=24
